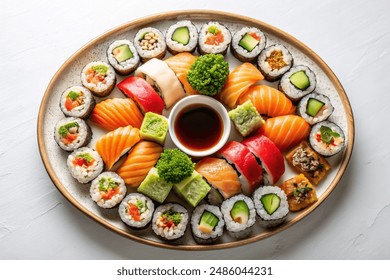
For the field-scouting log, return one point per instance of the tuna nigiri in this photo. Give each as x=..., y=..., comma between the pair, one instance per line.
x=268, y=101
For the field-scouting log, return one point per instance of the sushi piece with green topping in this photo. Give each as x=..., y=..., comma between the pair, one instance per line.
x=207, y=223
x=155, y=187
x=246, y=119
x=154, y=128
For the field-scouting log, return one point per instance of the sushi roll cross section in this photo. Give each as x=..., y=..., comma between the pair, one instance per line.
x=207, y=223
x=99, y=78
x=327, y=138
x=247, y=43
x=182, y=37
x=123, y=57
x=274, y=61
x=170, y=221
x=297, y=82
x=245, y=118
x=72, y=133
x=85, y=164
x=150, y=43
x=136, y=210
x=77, y=101
x=108, y=189
x=214, y=38
x=315, y=108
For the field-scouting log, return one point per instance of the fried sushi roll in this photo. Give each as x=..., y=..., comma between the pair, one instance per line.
x=247, y=43
x=123, y=56
x=150, y=43
x=99, y=78
x=108, y=189
x=72, y=133
x=77, y=101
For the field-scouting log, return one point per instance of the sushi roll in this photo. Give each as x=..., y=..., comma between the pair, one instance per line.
x=214, y=38
x=315, y=108
x=298, y=82
x=77, y=101
x=123, y=56
x=170, y=221
x=99, y=78
x=239, y=215
x=72, y=133
x=271, y=205
x=85, y=164
x=274, y=61
x=182, y=37
x=150, y=43
x=245, y=118
x=207, y=223
x=327, y=138
x=247, y=43
x=136, y=210
x=108, y=189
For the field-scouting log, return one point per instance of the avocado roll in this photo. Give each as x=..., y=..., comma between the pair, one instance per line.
x=327, y=138
x=298, y=82
x=206, y=223
x=136, y=210
x=85, y=164
x=315, y=108
x=108, y=189
x=77, y=101
x=214, y=38
x=274, y=61
x=99, y=78
x=182, y=37
x=247, y=44
x=170, y=221
x=123, y=56
x=150, y=43
x=72, y=133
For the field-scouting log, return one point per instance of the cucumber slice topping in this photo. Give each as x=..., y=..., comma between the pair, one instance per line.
x=314, y=106
x=300, y=80
x=122, y=53
x=181, y=35
x=240, y=212
x=271, y=202
x=248, y=42
x=208, y=222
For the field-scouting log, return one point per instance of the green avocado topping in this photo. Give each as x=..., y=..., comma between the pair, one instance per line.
x=107, y=183
x=100, y=69
x=213, y=29
x=173, y=216
x=73, y=95
x=327, y=134
x=64, y=130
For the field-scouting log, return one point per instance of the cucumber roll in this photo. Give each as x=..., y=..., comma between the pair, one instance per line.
x=327, y=138
x=271, y=205
x=136, y=210
x=247, y=44
x=85, y=164
x=170, y=221
x=99, y=78
x=274, y=61
x=182, y=37
x=72, y=133
x=214, y=38
x=77, y=101
x=207, y=223
x=298, y=82
x=315, y=107
x=150, y=43
x=123, y=56
x=108, y=189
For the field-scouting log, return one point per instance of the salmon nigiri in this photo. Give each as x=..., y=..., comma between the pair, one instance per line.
x=285, y=131
x=268, y=101
x=238, y=81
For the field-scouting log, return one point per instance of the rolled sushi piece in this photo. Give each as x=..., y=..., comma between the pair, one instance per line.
x=298, y=82
x=245, y=118
x=170, y=221
x=154, y=128
x=108, y=189
x=274, y=61
x=85, y=164
x=136, y=210
x=123, y=56
x=315, y=108
x=150, y=43
x=239, y=215
x=271, y=205
x=72, y=133
x=207, y=223
x=327, y=138
x=99, y=78
x=247, y=43
x=77, y=101
x=182, y=37
x=214, y=38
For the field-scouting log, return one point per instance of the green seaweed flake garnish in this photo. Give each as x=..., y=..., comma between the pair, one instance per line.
x=64, y=129
x=73, y=95
x=173, y=216
x=107, y=183
x=302, y=191
x=327, y=134
x=100, y=69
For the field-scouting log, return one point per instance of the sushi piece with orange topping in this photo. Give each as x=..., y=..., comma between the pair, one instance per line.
x=99, y=78
x=77, y=101
x=214, y=38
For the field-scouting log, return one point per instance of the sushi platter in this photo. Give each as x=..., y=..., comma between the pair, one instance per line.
x=195, y=130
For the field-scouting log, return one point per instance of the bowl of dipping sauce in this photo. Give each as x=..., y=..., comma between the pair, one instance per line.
x=199, y=125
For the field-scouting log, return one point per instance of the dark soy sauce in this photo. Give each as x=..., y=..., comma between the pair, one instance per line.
x=198, y=127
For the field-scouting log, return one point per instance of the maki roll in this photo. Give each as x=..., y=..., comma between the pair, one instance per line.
x=315, y=107
x=271, y=205
x=72, y=133
x=274, y=61
x=136, y=210
x=123, y=56
x=182, y=37
x=214, y=38
x=85, y=164
x=108, y=189
x=170, y=221
x=298, y=82
x=207, y=224
x=77, y=101
x=99, y=78
x=150, y=43
x=327, y=138
x=239, y=215
x=247, y=43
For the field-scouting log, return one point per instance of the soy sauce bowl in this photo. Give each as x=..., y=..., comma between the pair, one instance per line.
x=199, y=125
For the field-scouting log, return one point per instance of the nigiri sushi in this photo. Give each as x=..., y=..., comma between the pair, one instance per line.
x=116, y=143
x=285, y=131
x=268, y=101
x=117, y=112
x=140, y=160
x=238, y=81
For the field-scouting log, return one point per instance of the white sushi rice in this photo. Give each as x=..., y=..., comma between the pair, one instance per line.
x=82, y=111
x=325, y=112
x=270, y=73
x=176, y=47
x=146, y=212
x=97, y=196
x=321, y=147
x=102, y=88
x=172, y=232
x=242, y=52
x=85, y=174
x=290, y=90
x=83, y=137
x=215, y=49
x=159, y=49
x=203, y=237
x=127, y=66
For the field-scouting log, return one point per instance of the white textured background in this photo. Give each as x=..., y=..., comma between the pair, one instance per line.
x=36, y=222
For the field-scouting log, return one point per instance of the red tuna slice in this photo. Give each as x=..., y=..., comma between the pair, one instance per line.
x=143, y=93
x=270, y=156
x=251, y=173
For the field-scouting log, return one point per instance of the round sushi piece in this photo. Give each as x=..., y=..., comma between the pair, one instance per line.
x=182, y=37
x=77, y=101
x=123, y=56
x=315, y=108
x=274, y=61
x=214, y=38
x=72, y=133
x=206, y=223
x=85, y=164
x=247, y=44
x=136, y=210
x=297, y=82
x=150, y=43
x=108, y=189
x=99, y=78
x=327, y=138
x=170, y=221
x=271, y=205
x=239, y=215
